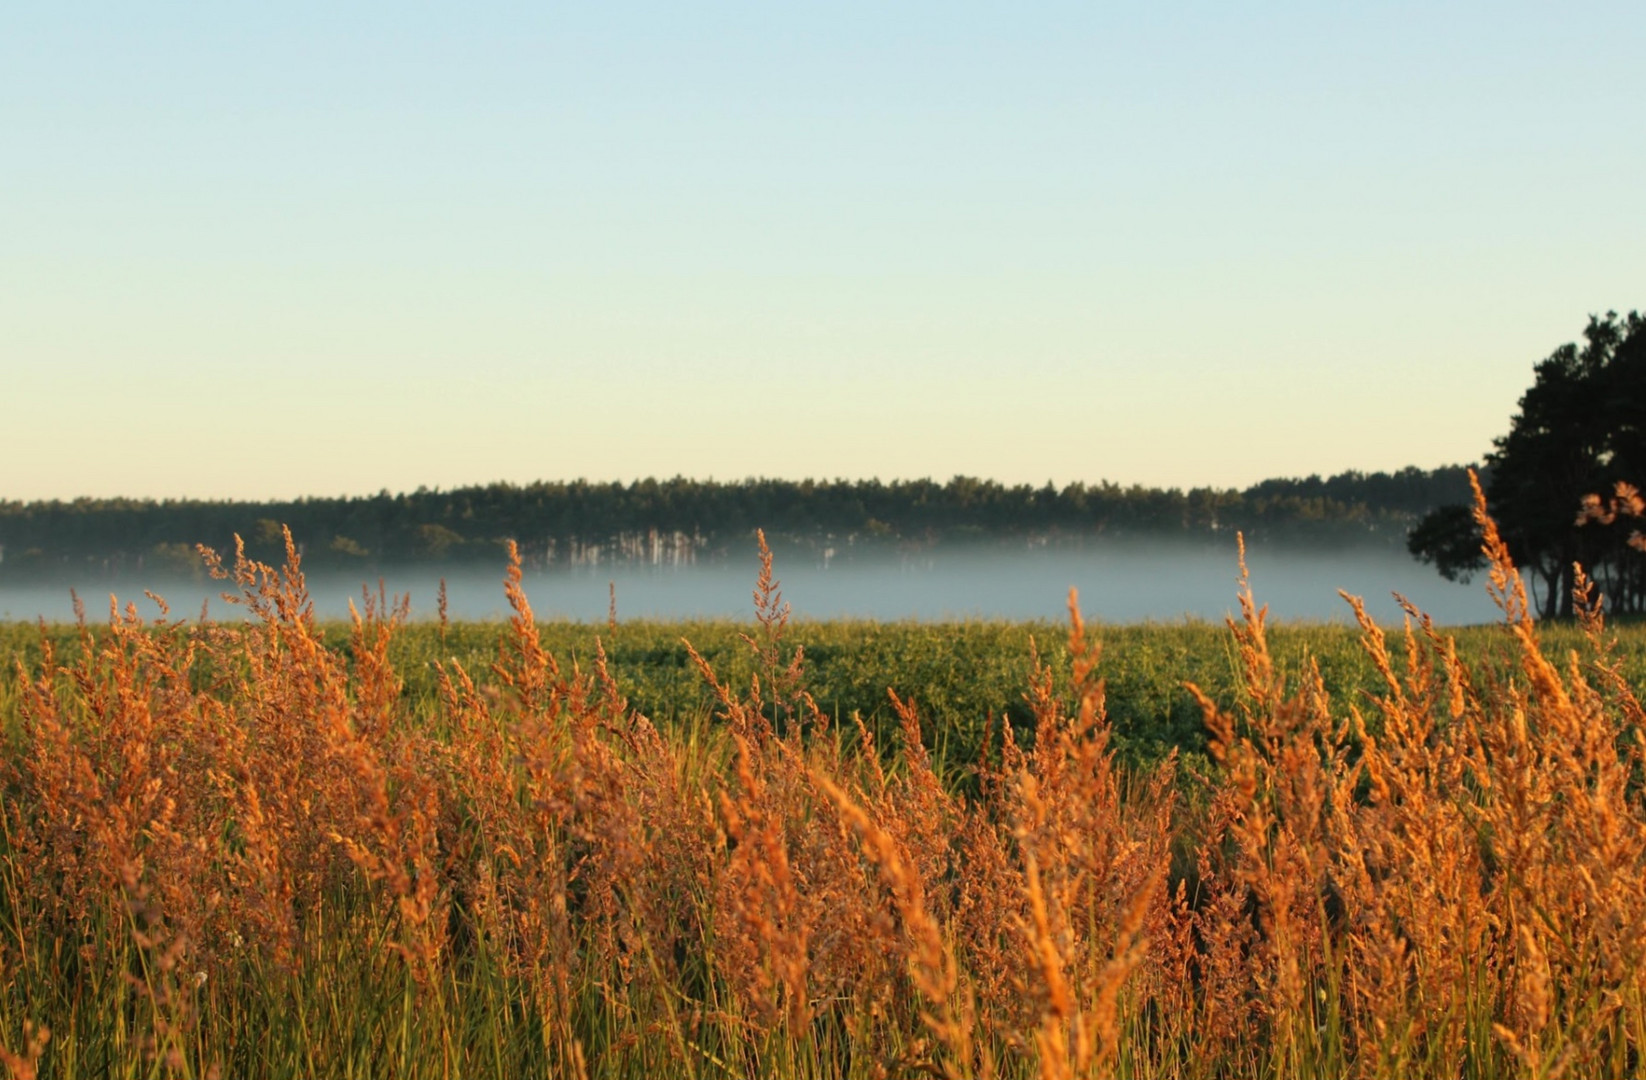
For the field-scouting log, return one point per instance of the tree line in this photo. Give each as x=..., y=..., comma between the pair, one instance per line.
x=683, y=520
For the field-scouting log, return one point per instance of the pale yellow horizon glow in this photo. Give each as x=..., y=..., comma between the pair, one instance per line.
x=258, y=254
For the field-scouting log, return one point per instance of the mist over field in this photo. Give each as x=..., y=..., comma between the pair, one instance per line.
x=1120, y=581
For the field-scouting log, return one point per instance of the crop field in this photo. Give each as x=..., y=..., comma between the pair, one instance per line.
x=959, y=674
x=282, y=848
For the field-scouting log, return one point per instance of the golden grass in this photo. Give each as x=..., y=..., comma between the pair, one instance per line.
x=229, y=850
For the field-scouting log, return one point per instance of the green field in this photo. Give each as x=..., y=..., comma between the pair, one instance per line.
x=958, y=674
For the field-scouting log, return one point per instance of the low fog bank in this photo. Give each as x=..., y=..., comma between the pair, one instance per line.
x=1119, y=582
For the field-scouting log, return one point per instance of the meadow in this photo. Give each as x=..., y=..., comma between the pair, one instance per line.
x=961, y=675
x=836, y=849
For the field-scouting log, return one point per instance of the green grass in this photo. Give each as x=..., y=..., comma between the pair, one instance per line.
x=958, y=674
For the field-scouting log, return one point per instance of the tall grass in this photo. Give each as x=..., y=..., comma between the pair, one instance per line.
x=248, y=849
x=968, y=677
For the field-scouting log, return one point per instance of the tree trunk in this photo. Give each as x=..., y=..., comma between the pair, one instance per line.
x=1551, y=591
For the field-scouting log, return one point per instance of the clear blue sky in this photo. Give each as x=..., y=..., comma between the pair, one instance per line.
x=325, y=248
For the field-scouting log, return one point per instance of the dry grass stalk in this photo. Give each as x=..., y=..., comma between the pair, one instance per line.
x=1448, y=875
x=26, y=1064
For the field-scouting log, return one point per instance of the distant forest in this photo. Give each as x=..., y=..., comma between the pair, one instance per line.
x=682, y=521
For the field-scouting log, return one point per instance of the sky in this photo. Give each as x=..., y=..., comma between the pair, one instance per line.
x=318, y=249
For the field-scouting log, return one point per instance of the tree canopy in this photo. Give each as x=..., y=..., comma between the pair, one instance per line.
x=1579, y=431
